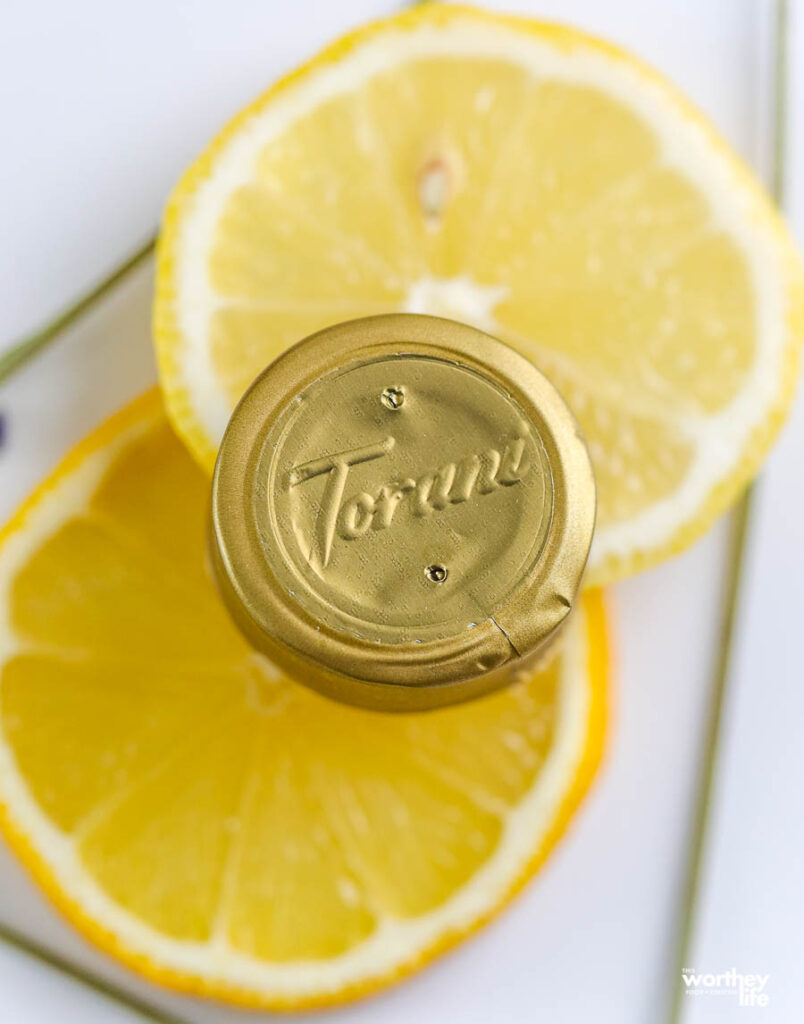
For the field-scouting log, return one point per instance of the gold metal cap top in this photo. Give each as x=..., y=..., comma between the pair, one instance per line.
x=402, y=509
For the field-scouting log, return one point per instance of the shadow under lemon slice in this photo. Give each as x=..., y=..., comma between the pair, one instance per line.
x=218, y=827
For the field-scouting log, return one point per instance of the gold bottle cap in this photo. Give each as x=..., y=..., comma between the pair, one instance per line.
x=402, y=509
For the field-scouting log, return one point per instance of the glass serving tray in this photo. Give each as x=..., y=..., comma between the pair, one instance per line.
x=102, y=360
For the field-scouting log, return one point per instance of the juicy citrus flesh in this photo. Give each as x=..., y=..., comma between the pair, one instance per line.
x=530, y=180
x=219, y=827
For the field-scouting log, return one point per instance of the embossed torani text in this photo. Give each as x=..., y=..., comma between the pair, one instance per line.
x=476, y=474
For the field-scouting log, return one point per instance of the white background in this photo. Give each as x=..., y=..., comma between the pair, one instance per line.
x=101, y=105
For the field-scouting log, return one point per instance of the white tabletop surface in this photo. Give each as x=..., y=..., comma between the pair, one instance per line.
x=102, y=104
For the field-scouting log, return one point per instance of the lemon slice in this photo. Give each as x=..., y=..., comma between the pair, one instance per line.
x=218, y=827
x=527, y=179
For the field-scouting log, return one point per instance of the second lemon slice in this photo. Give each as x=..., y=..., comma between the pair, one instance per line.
x=523, y=178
